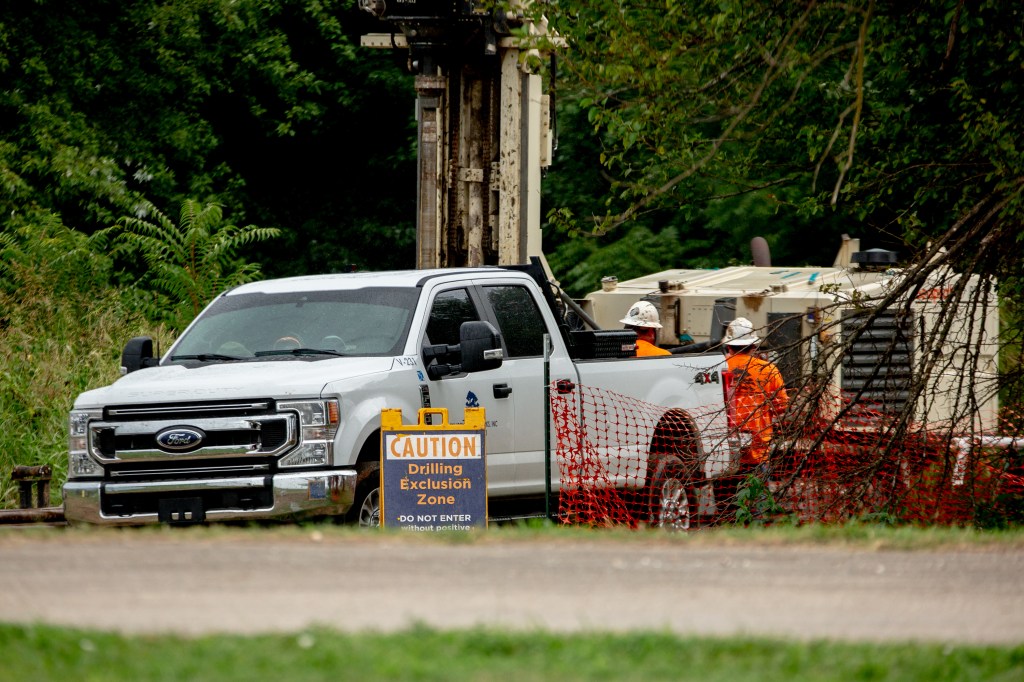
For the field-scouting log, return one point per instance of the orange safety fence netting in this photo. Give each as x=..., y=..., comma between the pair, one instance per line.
x=623, y=461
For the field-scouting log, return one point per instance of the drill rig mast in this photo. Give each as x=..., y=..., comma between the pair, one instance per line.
x=483, y=126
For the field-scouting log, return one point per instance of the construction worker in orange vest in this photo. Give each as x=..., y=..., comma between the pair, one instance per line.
x=756, y=398
x=757, y=392
x=643, y=318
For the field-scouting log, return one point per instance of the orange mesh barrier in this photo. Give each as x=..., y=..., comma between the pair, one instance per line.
x=623, y=461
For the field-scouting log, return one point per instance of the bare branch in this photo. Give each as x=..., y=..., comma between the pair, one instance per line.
x=954, y=25
x=861, y=57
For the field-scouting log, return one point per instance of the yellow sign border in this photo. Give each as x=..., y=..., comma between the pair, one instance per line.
x=391, y=421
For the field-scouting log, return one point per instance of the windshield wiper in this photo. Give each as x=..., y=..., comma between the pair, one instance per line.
x=300, y=351
x=208, y=357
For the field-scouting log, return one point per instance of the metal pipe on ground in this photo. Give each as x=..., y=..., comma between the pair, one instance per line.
x=35, y=515
x=29, y=477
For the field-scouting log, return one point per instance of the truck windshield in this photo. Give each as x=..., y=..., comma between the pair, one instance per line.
x=309, y=325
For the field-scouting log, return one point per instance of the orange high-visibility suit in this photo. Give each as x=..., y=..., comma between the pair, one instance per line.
x=757, y=395
x=646, y=349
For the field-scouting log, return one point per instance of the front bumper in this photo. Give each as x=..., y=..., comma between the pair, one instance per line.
x=284, y=496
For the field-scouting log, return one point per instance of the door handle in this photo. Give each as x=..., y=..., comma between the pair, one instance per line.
x=502, y=391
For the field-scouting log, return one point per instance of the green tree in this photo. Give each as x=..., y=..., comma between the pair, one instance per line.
x=886, y=120
x=269, y=109
x=186, y=264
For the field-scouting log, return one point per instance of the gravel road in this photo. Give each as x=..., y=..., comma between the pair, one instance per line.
x=141, y=582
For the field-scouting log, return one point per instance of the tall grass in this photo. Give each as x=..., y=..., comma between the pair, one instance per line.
x=62, y=326
x=45, y=361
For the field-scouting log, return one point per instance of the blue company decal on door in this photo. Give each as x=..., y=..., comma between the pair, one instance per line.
x=472, y=400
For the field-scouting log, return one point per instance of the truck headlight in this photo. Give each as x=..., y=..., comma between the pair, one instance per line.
x=318, y=424
x=80, y=463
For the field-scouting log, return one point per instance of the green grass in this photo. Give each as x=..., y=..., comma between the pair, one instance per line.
x=47, y=653
x=48, y=357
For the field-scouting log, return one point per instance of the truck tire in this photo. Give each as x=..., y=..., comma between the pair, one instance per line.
x=669, y=499
x=365, y=511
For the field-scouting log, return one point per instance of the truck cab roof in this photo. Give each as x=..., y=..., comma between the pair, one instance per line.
x=359, y=280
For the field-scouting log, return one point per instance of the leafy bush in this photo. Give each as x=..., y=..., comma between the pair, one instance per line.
x=63, y=321
x=61, y=327
x=186, y=264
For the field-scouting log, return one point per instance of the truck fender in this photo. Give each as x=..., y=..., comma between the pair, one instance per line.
x=677, y=442
x=365, y=511
x=361, y=427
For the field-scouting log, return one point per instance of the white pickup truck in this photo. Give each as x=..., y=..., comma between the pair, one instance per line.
x=268, y=405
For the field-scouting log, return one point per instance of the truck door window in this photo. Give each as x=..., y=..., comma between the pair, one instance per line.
x=449, y=311
x=519, y=320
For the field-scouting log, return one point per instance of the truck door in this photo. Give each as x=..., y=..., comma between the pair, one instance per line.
x=448, y=310
x=517, y=314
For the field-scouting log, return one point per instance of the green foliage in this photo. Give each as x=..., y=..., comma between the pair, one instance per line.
x=61, y=329
x=186, y=264
x=755, y=503
x=888, y=122
x=581, y=263
x=1006, y=508
x=44, y=261
x=709, y=220
x=260, y=107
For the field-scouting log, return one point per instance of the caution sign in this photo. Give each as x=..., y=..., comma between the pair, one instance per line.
x=434, y=476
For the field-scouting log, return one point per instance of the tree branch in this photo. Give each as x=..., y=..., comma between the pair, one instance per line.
x=858, y=107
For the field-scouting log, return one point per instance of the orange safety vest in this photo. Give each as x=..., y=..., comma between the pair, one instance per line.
x=646, y=348
x=757, y=395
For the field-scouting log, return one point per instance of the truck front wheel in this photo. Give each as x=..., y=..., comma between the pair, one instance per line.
x=671, y=499
x=365, y=511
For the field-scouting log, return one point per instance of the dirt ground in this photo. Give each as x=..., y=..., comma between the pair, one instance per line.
x=245, y=583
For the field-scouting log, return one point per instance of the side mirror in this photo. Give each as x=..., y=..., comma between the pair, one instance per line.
x=138, y=354
x=478, y=350
x=481, y=346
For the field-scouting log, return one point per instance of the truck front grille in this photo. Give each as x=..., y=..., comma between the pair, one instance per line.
x=136, y=437
x=186, y=411
x=177, y=469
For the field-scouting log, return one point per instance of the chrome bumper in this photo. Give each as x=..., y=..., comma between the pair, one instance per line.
x=295, y=495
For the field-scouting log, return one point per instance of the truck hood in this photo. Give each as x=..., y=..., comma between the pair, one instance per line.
x=232, y=380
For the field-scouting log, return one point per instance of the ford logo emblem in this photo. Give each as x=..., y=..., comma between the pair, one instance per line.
x=179, y=438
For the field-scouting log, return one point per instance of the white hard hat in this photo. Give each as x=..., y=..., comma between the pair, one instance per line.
x=642, y=314
x=740, y=332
